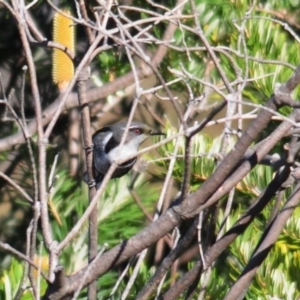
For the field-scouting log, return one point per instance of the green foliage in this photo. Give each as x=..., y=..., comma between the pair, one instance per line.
x=9, y=284
x=112, y=64
x=203, y=151
x=11, y=279
x=277, y=275
x=262, y=50
x=265, y=39
x=116, y=208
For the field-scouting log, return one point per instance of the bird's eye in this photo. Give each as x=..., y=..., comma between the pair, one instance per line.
x=137, y=131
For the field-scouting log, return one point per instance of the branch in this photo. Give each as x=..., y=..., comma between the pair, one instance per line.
x=196, y=201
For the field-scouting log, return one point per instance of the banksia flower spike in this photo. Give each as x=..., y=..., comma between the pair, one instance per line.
x=63, y=33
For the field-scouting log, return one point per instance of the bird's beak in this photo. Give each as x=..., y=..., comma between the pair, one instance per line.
x=155, y=132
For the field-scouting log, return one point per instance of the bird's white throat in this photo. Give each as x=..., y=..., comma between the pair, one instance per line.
x=121, y=152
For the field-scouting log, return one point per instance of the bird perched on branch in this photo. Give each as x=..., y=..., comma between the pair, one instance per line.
x=107, y=147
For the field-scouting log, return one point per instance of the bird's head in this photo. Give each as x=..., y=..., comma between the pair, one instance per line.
x=137, y=133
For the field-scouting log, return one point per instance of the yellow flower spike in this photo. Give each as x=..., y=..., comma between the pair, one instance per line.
x=43, y=262
x=63, y=33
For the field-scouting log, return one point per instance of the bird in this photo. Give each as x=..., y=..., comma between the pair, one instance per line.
x=107, y=147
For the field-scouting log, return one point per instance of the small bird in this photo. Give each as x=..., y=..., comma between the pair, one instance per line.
x=107, y=147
